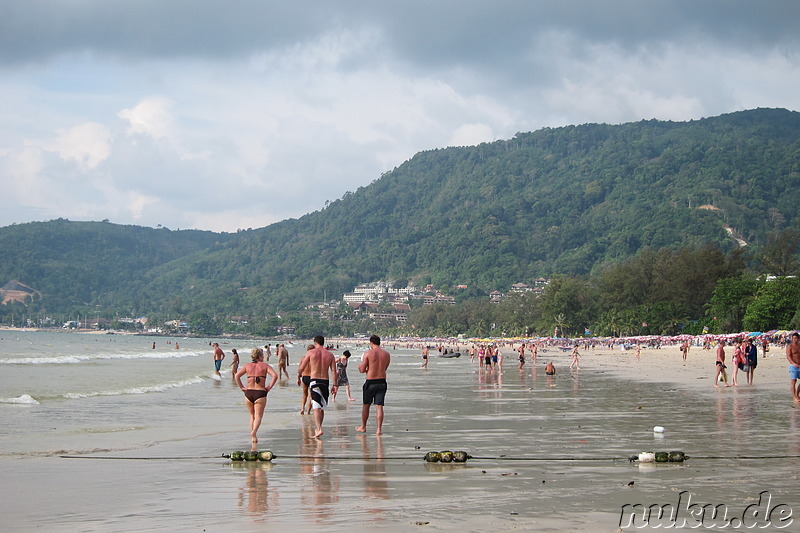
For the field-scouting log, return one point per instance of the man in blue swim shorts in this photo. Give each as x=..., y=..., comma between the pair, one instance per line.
x=219, y=355
x=374, y=365
x=793, y=356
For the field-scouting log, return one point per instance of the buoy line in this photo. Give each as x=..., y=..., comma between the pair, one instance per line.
x=417, y=457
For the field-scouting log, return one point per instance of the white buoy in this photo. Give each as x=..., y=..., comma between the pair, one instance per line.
x=658, y=429
x=647, y=457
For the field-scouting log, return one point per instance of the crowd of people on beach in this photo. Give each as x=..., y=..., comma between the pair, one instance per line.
x=320, y=374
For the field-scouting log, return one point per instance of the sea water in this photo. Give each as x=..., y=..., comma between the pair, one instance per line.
x=549, y=452
x=81, y=392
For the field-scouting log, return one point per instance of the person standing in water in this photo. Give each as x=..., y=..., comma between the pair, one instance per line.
x=219, y=355
x=235, y=363
x=257, y=389
x=374, y=364
x=283, y=360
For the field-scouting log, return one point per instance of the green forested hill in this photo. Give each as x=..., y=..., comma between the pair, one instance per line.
x=558, y=200
x=85, y=264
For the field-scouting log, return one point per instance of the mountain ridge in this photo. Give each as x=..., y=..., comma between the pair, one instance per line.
x=565, y=200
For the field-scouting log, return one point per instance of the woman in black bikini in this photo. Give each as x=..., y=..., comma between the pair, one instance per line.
x=256, y=392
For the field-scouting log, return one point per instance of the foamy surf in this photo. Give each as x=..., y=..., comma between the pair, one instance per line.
x=75, y=359
x=161, y=387
x=25, y=399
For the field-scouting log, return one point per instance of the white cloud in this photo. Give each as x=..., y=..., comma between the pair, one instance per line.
x=151, y=117
x=87, y=144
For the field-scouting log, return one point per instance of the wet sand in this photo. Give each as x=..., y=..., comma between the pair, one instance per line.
x=550, y=454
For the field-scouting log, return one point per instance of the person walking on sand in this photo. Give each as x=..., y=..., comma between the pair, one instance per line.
x=685, y=351
x=575, y=357
x=793, y=356
x=235, y=363
x=425, y=350
x=283, y=360
x=638, y=353
x=374, y=364
x=257, y=389
x=322, y=367
x=721, y=364
x=219, y=355
x=341, y=375
x=303, y=379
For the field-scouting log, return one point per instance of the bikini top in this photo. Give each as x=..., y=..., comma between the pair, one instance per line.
x=258, y=378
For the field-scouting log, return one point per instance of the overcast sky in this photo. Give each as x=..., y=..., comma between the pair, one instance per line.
x=226, y=115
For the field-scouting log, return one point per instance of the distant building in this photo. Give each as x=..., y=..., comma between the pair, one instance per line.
x=438, y=298
x=377, y=291
x=370, y=310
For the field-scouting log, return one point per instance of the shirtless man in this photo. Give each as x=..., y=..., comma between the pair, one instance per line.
x=721, y=364
x=425, y=356
x=374, y=365
x=521, y=352
x=283, y=360
x=219, y=355
x=303, y=379
x=793, y=355
x=321, y=368
x=549, y=369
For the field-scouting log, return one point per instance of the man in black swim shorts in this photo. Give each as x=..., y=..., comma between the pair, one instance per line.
x=374, y=365
x=375, y=391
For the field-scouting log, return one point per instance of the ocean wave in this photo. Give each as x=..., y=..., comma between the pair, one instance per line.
x=75, y=359
x=160, y=387
x=25, y=399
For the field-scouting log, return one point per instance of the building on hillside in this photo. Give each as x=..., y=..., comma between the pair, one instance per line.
x=521, y=287
x=495, y=297
x=539, y=284
x=377, y=291
x=370, y=310
x=285, y=330
x=438, y=298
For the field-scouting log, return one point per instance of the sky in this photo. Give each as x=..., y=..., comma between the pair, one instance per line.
x=236, y=114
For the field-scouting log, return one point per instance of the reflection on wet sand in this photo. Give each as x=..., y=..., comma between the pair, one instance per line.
x=256, y=496
x=320, y=488
x=376, y=485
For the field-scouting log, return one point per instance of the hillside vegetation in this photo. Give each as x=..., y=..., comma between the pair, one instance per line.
x=558, y=201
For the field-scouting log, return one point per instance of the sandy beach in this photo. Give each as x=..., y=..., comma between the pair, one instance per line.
x=550, y=453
